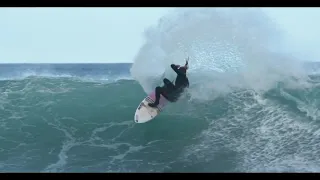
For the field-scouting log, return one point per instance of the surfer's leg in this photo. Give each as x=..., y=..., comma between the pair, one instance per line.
x=159, y=90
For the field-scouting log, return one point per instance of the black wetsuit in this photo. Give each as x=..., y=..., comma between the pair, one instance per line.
x=171, y=91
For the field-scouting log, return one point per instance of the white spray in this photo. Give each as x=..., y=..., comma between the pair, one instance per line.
x=229, y=48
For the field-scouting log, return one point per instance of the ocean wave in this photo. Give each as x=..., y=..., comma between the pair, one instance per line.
x=81, y=73
x=63, y=125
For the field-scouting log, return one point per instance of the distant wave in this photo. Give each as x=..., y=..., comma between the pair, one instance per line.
x=86, y=72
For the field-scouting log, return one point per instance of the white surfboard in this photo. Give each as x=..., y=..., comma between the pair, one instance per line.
x=145, y=113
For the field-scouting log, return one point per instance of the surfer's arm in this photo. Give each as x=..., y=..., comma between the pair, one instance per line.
x=175, y=68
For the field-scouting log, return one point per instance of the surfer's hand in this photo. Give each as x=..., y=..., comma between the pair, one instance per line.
x=187, y=60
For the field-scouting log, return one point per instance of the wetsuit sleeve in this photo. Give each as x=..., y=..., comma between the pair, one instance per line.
x=174, y=67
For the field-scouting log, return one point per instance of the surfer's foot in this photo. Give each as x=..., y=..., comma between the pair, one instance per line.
x=153, y=104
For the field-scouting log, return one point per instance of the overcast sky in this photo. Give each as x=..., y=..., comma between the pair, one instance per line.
x=107, y=34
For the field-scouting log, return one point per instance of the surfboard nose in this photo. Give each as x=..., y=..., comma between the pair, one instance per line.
x=145, y=113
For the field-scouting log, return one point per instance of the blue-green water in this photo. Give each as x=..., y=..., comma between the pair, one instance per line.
x=78, y=118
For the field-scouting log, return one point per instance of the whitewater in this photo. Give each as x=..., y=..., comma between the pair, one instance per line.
x=252, y=106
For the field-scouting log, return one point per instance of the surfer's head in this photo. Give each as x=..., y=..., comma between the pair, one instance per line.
x=183, y=68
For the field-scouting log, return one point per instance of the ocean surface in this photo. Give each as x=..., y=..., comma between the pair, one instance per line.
x=79, y=118
x=252, y=105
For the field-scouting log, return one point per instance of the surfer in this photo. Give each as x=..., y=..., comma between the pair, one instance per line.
x=171, y=91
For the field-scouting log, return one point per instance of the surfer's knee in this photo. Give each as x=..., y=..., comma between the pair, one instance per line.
x=158, y=88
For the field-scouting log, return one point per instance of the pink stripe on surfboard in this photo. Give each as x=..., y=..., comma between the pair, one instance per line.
x=163, y=101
